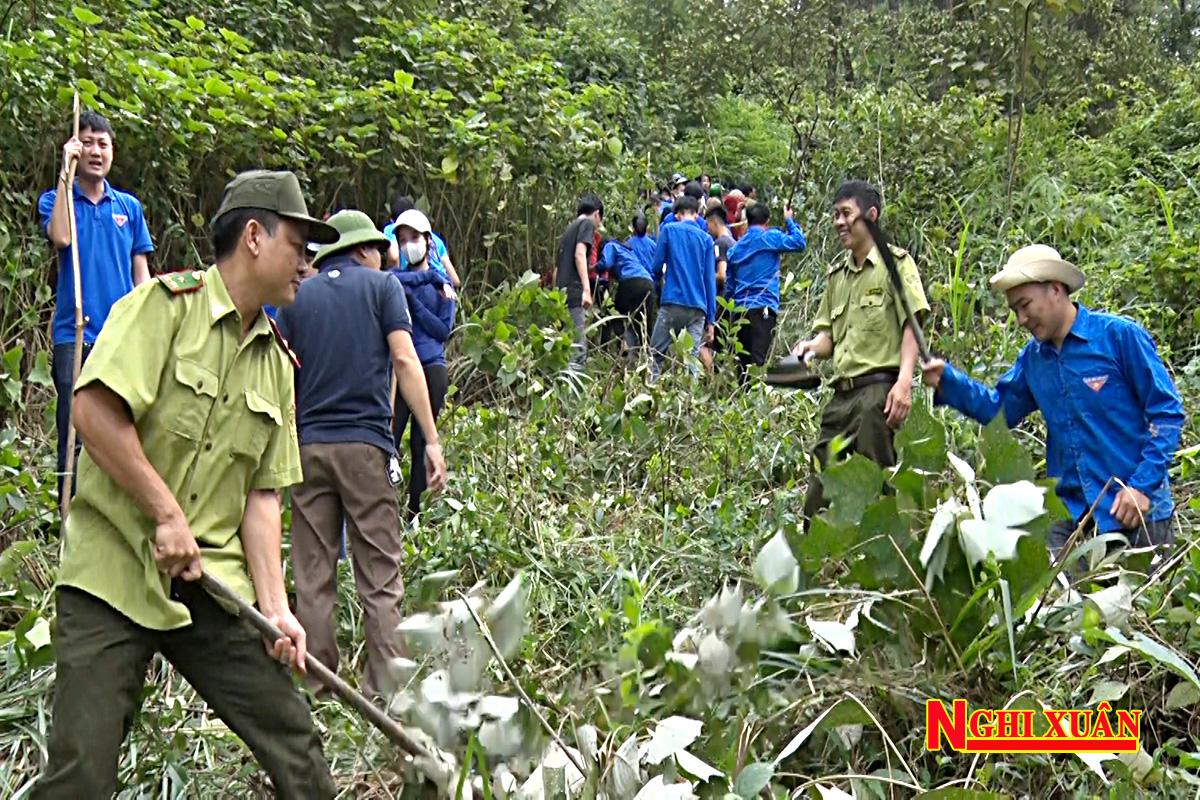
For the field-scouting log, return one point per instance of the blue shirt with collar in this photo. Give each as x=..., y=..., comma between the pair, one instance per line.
x=752, y=276
x=109, y=233
x=622, y=262
x=338, y=328
x=691, y=262
x=1110, y=407
x=643, y=248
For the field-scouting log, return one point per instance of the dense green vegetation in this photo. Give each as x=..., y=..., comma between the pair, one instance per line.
x=988, y=124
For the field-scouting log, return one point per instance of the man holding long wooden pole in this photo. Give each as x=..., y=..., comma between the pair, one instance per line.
x=111, y=242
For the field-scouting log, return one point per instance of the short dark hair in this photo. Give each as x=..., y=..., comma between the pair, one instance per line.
x=687, y=203
x=861, y=192
x=746, y=189
x=700, y=178
x=758, y=214
x=589, y=204
x=693, y=189
x=229, y=226
x=640, y=226
x=402, y=203
x=717, y=210
x=91, y=121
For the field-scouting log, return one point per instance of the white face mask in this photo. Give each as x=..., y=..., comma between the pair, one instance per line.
x=414, y=251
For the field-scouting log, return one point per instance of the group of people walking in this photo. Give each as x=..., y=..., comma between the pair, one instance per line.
x=197, y=409
x=712, y=250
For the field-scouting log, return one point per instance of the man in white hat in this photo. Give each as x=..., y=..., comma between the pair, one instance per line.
x=1113, y=416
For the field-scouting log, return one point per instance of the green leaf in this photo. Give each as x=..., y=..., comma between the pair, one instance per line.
x=614, y=147
x=40, y=374
x=450, y=166
x=961, y=794
x=849, y=486
x=86, y=16
x=12, y=558
x=1005, y=461
x=1183, y=695
x=217, y=87
x=1153, y=651
x=921, y=443
x=402, y=79
x=195, y=23
x=753, y=779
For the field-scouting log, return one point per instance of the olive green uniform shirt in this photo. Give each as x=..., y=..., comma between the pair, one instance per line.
x=215, y=413
x=862, y=314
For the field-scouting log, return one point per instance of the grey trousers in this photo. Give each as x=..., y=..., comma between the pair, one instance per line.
x=579, y=348
x=670, y=321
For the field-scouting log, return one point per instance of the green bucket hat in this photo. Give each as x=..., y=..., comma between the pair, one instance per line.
x=354, y=228
x=273, y=191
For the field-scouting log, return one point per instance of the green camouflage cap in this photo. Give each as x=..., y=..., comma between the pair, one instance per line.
x=274, y=191
x=354, y=228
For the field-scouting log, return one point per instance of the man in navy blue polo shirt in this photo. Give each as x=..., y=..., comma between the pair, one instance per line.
x=113, y=244
x=1113, y=415
x=350, y=328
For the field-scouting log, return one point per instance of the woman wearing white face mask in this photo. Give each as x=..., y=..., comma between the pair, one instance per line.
x=431, y=306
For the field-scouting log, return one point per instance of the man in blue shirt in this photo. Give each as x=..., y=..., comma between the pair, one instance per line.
x=1113, y=416
x=752, y=280
x=349, y=328
x=689, y=294
x=114, y=242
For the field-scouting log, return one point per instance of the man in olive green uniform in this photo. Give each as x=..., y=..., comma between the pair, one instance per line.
x=862, y=326
x=189, y=436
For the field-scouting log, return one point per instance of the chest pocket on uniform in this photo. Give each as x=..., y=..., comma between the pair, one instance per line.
x=259, y=422
x=871, y=311
x=195, y=392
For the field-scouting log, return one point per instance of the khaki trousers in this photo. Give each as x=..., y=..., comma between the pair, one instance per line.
x=348, y=481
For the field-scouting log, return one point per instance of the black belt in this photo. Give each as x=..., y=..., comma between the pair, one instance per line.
x=858, y=382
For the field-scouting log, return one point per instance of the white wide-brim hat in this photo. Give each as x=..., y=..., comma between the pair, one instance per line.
x=1037, y=263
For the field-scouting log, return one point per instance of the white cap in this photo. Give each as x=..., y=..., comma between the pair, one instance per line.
x=414, y=219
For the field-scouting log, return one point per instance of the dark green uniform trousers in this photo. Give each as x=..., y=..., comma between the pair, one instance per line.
x=102, y=659
x=856, y=415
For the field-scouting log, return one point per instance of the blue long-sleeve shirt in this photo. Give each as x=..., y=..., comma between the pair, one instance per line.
x=643, y=248
x=690, y=258
x=752, y=276
x=1110, y=407
x=622, y=262
x=432, y=313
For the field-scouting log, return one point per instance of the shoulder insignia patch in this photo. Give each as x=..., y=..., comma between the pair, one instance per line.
x=182, y=282
x=283, y=343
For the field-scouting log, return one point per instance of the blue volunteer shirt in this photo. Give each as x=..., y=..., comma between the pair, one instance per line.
x=643, y=248
x=110, y=233
x=622, y=262
x=691, y=263
x=1110, y=407
x=435, y=258
x=338, y=329
x=431, y=311
x=752, y=277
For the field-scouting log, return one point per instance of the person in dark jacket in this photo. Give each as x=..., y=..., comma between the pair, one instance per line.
x=431, y=307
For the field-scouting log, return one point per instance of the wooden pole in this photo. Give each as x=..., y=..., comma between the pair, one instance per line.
x=69, y=477
x=343, y=690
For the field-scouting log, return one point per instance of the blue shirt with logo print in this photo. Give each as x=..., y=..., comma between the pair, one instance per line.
x=110, y=233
